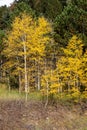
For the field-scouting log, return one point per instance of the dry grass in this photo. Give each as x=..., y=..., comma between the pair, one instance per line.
x=15, y=114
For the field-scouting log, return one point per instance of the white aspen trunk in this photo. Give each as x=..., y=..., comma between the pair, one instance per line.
x=35, y=75
x=28, y=82
x=47, y=86
x=38, y=86
x=47, y=94
x=19, y=82
x=25, y=67
x=19, y=75
x=25, y=72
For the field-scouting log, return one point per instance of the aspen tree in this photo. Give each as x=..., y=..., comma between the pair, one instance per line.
x=26, y=41
x=73, y=55
x=84, y=68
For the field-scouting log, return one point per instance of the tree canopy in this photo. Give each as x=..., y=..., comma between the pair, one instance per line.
x=43, y=46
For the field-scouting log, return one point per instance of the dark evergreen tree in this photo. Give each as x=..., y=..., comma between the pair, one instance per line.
x=49, y=8
x=4, y=17
x=72, y=20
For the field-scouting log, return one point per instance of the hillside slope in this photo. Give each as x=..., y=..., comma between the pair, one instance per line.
x=16, y=115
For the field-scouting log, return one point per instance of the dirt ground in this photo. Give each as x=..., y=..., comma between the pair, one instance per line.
x=17, y=115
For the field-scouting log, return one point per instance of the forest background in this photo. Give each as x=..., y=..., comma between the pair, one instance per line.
x=43, y=48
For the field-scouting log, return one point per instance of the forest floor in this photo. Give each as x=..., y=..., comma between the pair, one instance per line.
x=18, y=115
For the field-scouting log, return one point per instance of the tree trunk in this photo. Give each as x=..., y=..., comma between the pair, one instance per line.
x=25, y=72
x=38, y=86
x=19, y=82
x=1, y=69
x=9, y=87
x=47, y=94
x=35, y=74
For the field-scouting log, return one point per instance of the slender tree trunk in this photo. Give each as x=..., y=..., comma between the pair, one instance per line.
x=25, y=66
x=19, y=82
x=38, y=86
x=69, y=85
x=58, y=89
x=47, y=86
x=77, y=82
x=35, y=74
x=25, y=72
x=9, y=87
x=28, y=81
x=1, y=69
x=47, y=94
